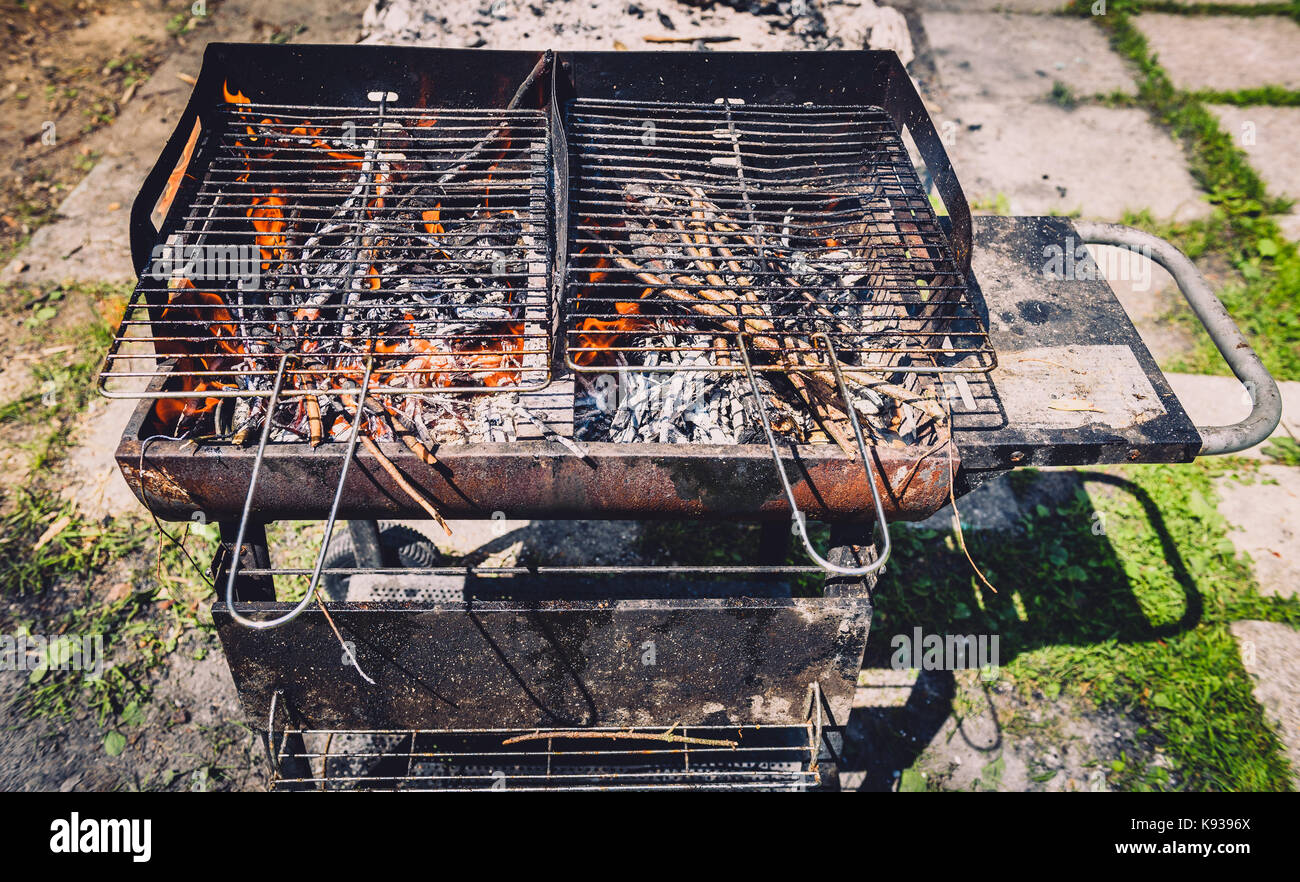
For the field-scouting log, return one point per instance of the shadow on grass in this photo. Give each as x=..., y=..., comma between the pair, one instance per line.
x=1059, y=581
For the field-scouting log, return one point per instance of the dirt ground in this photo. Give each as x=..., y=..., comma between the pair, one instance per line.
x=86, y=66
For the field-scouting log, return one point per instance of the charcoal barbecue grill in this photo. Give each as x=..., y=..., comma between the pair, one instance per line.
x=511, y=223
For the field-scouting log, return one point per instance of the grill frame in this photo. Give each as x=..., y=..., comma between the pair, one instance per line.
x=174, y=480
x=657, y=480
x=546, y=662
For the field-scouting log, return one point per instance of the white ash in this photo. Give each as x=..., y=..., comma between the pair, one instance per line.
x=690, y=405
x=576, y=25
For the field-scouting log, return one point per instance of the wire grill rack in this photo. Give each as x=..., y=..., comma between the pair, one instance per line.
x=695, y=223
x=415, y=236
x=683, y=757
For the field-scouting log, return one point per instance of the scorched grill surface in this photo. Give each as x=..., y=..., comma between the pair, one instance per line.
x=776, y=222
x=379, y=230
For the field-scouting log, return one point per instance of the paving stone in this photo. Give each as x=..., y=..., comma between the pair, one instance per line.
x=992, y=56
x=1039, y=7
x=1290, y=225
x=1270, y=653
x=884, y=687
x=1095, y=160
x=1265, y=519
x=1149, y=296
x=1220, y=401
x=1269, y=135
x=1225, y=52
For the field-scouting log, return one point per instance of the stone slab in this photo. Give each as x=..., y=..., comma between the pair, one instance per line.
x=995, y=56
x=1044, y=159
x=1265, y=519
x=1225, y=53
x=1269, y=136
x=1271, y=655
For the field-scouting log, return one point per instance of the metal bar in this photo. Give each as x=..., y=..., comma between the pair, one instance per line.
x=252, y=488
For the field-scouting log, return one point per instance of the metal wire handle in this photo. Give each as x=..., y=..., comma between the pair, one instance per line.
x=1265, y=399
x=307, y=598
x=800, y=519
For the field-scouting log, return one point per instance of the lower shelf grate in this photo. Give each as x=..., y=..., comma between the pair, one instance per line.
x=641, y=758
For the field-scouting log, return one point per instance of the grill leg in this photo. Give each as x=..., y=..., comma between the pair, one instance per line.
x=851, y=546
x=365, y=543
x=253, y=553
x=774, y=542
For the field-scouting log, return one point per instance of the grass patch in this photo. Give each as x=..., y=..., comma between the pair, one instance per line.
x=74, y=551
x=1062, y=96
x=1172, y=7
x=1283, y=451
x=1240, y=230
x=1271, y=96
x=63, y=384
x=80, y=577
x=1122, y=596
x=140, y=619
x=997, y=204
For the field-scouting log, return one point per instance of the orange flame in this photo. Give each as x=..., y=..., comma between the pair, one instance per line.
x=597, y=334
x=186, y=306
x=431, y=219
x=233, y=97
x=268, y=220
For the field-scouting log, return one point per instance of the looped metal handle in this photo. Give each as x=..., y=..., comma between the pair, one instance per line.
x=307, y=598
x=1266, y=401
x=800, y=519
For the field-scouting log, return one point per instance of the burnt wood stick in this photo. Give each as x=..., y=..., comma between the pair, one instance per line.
x=417, y=447
x=314, y=420
x=705, y=304
x=373, y=449
x=827, y=420
x=405, y=429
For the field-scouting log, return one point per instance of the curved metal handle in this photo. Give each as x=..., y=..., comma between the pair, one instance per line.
x=800, y=520
x=266, y=624
x=1266, y=410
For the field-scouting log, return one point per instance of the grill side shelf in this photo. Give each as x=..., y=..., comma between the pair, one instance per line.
x=1075, y=384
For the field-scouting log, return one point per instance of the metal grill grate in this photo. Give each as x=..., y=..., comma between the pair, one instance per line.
x=417, y=235
x=685, y=757
x=694, y=223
